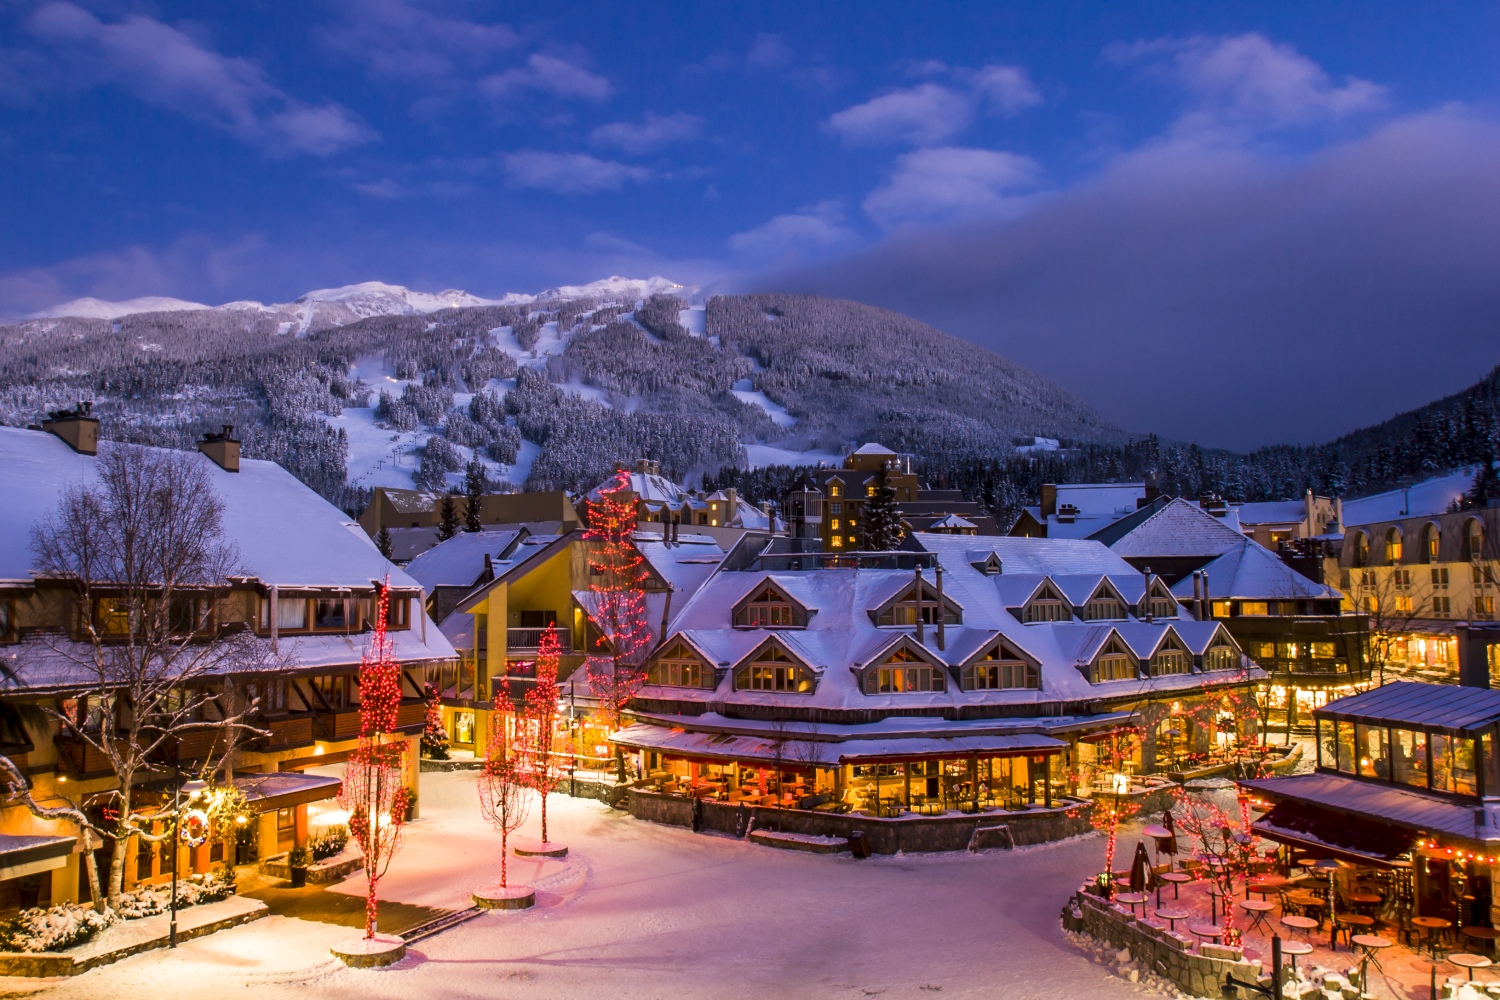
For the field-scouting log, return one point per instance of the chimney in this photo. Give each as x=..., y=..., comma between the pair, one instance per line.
x=1207, y=601
x=1338, y=515
x=79, y=428
x=222, y=448
x=1146, y=600
x=1308, y=505
x=1067, y=513
x=1049, y=499
x=1153, y=490
x=734, y=504
x=1197, y=596
x=921, y=630
x=942, y=619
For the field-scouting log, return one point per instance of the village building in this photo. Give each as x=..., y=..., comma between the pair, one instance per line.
x=307, y=594
x=955, y=675
x=722, y=514
x=410, y=518
x=1293, y=627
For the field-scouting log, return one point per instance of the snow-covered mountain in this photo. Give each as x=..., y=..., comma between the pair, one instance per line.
x=327, y=307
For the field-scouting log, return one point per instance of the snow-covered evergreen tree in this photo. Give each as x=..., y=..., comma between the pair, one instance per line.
x=881, y=527
x=475, y=485
x=447, y=518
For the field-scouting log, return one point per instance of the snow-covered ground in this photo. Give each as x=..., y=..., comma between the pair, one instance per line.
x=646, y=911
x=745, y=394
x=759, y=455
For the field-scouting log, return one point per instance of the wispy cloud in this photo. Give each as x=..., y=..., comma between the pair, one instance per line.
x=398, y=39
x=950, y=184
x=1249, y=80
x=164, y=66
x=655, y=131
x=932, y=112
x=549, y=75
x=569, y=173
x=809, y=231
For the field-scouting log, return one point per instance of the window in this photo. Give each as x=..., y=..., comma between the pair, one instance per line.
x=836, y=542
x=678, y=667
x=1221, y=657
x=1440, y=577
x=834, y=524
x=1480, y=577
x=1393, y=546
x=834, y=490
x=463, y=728
x=112, y=616
x=1409, y=757
x=904, y=612
x=1484, y=607
x=1453, y=765
x=1115, y=666
x=903, y=672
x=291, y=614
x=337, y=692
x=773, y=670
x=835, y=508
x=271, y=692
x=1219, y=609
x=1104, y=609
x=1374, y=758
x=1263, y=650
x=769, y=608
x=1000, y=675
x=1402, y=604
x=331, y=613
x=1372, y=604
x=1401, y=578
x=1163, y=606
x=1473, y=539
x=1346, y=757
x=1256, y=608
x=1432, y=543
x=1323, y=651
x=1170, y=661
x=6, y=620
x=1361, y=556
x=1442, y=606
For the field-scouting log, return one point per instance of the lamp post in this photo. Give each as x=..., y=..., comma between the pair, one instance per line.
x=193, y=788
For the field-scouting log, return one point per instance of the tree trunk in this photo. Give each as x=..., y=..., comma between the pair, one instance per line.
x=544, y=817
x=91, y=869
x=504, y=853
x=122, y=839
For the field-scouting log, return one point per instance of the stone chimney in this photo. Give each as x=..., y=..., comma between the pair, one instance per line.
x=1049, y=499
x=79, y=428
x=222, y=448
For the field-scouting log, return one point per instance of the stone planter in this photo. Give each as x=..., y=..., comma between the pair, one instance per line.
x=370, y=953
x=514, y=897
x=539, y=849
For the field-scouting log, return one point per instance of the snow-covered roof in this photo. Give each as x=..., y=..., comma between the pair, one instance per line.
x=1179, y=529
x=872, y=448
x=287, y=535
x=459, y=561
x=1271, y=512
x=1424, y=499
x=1101, y=499
x=952, y=521
x=841, y=634
x=1252, y=572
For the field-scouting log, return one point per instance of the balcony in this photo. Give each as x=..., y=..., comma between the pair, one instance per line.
x=82, y=759
x=531, y=638
x=287, y=732
x=343, y=724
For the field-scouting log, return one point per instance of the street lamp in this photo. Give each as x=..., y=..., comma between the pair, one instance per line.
x=193, y=788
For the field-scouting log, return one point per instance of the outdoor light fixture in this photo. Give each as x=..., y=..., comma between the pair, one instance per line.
x=1121, y=783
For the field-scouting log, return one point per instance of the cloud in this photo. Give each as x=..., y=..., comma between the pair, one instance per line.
x=809, y=231
x=611, y=244
x=1250, y=80
x=396, y=39
x=1213, y=294
x=931, y=112
x=926, y=113
x=656, y=130
x=948, y=184
x=168, y=68
x=769, y=52
x=569, y=173
x=549, y=75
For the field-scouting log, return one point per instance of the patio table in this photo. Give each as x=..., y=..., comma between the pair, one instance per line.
x=1264, y=885
x=1369, y=944
x=1172, y=916
x=1258, y=910
x=1291, y=949
x=1177, y=879
x=1486, y=936
x=1296, y=923
x=1207, y=933
x=1470, y=962
x=1132, y=900
x=1307, y=901
x=1430, y=928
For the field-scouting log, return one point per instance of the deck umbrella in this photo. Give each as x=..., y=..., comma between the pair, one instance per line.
x=1142, y=875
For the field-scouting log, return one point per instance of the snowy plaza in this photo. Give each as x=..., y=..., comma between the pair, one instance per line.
x=643, y=910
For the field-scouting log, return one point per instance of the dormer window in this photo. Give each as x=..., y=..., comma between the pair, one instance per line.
x=773, y=670
x=902, y=672
x=1047, y=606
x=1161, y=602
x=1114, y=663
x=904, y=612
x=1104, y=609
x=989, y=566
x=1001, y=669
x=1221, y=656
x=770, y=607
x=1171, y=660
x=679, y=666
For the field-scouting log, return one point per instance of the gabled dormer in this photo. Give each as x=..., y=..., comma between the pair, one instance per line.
x=989, y=565
x=769, y=606
x=1223, y=653
x=836, y=488
x=680, y=665
x=1158, y=601
x=1046, y=604
x=1114, y=661
x=903, y=611
x=773, y=667
x=1171, y=657
x=901, y=669
x=1000, y=666
x=1105, y=604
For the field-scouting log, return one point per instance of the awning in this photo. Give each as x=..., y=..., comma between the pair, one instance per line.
x=1333, y=834
x=22, y=855
x=284, y=789
x=794, y=752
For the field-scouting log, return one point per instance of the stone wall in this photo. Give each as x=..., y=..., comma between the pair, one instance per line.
x=884, y=836
x=1158, y=950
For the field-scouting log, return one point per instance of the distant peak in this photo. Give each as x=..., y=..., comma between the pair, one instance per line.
x=91, y=308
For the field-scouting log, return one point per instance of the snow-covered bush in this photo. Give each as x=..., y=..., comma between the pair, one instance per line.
x=328, y=841
x=149, y=900
x=53, y=928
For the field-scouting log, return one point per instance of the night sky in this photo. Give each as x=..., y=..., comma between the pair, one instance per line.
x=1229, y=223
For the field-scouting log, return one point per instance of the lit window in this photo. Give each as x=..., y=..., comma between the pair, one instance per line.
x=904, y=672
x=678, y=668
x=1254, y=608
x=1103, y=608
x=1393, y=546
x=835, y=491
x=834, y=524
x=1221, y=657
x=768, y=609
x=1170, y=661
x=1000, y=671
x=773, y=671
x=1115, y=667
x=836, y=541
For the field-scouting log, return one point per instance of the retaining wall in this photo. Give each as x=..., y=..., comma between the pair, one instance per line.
x=885, y=836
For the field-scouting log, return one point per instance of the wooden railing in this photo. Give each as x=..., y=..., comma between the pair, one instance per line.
x=83, y=759
x=286, y=732
x=531, y=638
x=343, y=724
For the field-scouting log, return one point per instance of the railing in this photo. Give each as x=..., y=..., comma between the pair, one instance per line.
x=84, y=759
x=411, y=716
x=531, y=638
x=288, y=732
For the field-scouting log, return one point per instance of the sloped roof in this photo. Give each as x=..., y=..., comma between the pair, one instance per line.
x=459, y=561
x=1424, y=499
x=871, y=448
x=1178, y=529
x=287, y=535
x=952, y=521
x=1271, y=512
x=1440, y=706
x=1250, y=571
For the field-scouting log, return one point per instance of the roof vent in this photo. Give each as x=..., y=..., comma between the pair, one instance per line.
x=222, y=448
x=79, y=427
x=1067, y=513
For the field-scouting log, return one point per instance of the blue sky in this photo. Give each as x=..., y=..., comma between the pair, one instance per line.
x=1166, y=207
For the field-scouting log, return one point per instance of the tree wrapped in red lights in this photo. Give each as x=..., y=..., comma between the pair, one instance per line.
x=1225, y=839
x=374, y=792
x=503, y=781
x=1112, y=806
x=540, y=751
x=618, y=572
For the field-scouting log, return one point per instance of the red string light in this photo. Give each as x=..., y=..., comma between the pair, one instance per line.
x=617, y=672
x=539, y=744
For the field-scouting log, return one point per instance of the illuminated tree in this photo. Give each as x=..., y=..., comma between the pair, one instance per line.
x=1213, y=832
x=434, y=736
x=1112, y=807
x=503, y=784
x=540, y=749
x=618, y=670
x=374, y=792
